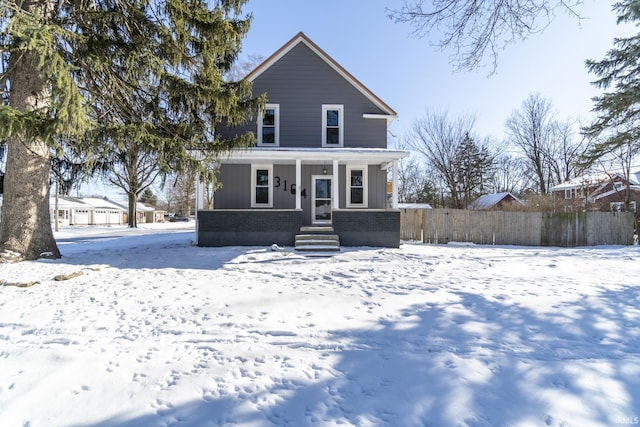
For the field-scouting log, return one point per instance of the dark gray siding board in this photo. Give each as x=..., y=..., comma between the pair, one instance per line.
x=377, y=187
x=235, y=192
x=301, y=82
x=284, y=177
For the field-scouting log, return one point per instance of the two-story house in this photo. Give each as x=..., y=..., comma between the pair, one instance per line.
x=321, y=160
x=597, y=192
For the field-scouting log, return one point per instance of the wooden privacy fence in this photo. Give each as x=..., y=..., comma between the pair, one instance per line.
x=517, y=228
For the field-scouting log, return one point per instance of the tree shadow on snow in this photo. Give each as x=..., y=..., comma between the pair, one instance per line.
x=475, y=361
x=160, y=250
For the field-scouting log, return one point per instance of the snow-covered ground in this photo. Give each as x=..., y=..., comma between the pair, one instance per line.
x=157, y=332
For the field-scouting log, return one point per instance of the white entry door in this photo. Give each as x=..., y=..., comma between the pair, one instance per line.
x=321, y=205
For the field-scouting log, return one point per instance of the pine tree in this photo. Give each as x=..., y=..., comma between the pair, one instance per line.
x=618, y=119
x=617, y=125
x=473, y=166
x=107, y=73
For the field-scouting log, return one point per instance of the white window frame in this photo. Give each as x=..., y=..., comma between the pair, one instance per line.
x=276, y=125
x=340, y=109
x=365, y=186
x=254, y=169
x=567, y=194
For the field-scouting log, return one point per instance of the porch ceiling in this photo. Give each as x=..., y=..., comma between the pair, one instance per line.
x=315, y=155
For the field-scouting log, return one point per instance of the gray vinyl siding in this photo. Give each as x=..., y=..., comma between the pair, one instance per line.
x=236, y=189
x=301, y=82
x=235, y=192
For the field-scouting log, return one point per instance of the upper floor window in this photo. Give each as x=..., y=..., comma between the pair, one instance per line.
x=269, y=125
x=357, y=187
x=332, y=125
x=261, y=186
x=567, y=194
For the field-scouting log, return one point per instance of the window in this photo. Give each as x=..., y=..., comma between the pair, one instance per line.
x=332, y=125
x=269, y=125
x=261, y=186
x=567, y=194
x=619, y=206
x=357, y=187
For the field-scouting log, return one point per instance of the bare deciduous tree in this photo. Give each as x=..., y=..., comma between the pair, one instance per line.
x=531, y=129
x=133, y=170
x=473, y=29
x=438, y=137
x=509, y=174
x=566, y=152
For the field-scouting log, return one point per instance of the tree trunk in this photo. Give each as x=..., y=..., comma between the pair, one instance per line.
x=133, y=212
x=25, y=225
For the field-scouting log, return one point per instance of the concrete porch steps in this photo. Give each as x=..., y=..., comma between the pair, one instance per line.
x=317, y=240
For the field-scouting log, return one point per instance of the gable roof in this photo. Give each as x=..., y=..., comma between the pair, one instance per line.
x=489, y=201
x=302, y=38
x=598, y=178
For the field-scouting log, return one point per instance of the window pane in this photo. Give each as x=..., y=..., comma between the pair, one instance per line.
x=323, y=189
x=269, y=117
x=356, y=178
x=333, y=118
x=262, y=177
x=357, y=195
x=262, y=195
x=333, y=136
x=268, y=135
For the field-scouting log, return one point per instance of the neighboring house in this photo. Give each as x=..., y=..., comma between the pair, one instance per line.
x=85, y=211
x=145, y=213
x=321, y=159
x=497, y=201
x=599, y=192
x=148, y=213
x=69, y=209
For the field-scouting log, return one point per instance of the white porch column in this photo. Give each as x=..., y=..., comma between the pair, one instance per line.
x=200, y=204
x=336, y=186
x=394, y=188
x=298, y=184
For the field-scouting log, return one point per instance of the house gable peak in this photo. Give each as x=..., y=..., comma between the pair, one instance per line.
x=302, y=38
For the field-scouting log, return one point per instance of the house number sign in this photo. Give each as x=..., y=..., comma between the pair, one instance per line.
x=291, y=188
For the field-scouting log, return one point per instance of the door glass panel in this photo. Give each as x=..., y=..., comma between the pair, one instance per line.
x=323, y=210
x=323, y=189
x=322, y=200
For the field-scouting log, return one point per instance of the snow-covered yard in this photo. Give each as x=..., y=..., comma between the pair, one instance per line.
x=157, y=332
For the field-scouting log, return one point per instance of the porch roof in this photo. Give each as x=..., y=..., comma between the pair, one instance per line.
x=284, y=155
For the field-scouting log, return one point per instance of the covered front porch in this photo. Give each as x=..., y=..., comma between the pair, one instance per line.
x=267, y=195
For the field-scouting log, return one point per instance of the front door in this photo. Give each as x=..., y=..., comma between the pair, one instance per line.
x=321, y=199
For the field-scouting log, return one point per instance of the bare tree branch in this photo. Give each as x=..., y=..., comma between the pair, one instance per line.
x=474, y=29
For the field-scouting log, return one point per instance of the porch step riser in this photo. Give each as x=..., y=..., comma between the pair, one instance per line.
x=316, y=230
x=317, y=241
x=301, y=237
x=318, y=248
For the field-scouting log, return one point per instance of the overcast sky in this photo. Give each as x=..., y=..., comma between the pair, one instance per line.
x=411, y=76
